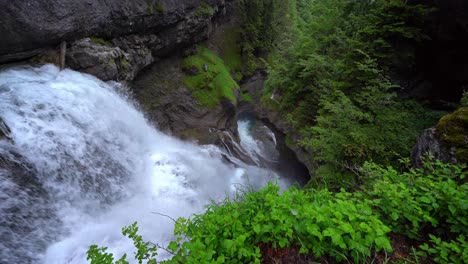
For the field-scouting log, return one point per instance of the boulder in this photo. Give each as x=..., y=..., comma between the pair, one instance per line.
x=103, y=61
x=429, y=144
x=447, y=141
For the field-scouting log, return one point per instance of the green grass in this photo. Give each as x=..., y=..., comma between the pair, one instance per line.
x=211, y=85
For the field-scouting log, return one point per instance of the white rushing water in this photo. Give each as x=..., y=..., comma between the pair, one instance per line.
x=91, y=165
x=255, y=148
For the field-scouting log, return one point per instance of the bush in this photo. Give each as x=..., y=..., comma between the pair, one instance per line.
x=320, y=222
x=429, y=204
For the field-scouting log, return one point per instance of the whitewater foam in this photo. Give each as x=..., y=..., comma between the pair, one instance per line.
x=100, y=166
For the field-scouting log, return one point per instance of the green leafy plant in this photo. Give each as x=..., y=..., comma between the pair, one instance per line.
x=433, y=197
x=320, y=222
x=454, y=251
x=145, y=250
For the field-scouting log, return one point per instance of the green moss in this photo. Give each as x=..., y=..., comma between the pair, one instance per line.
x=213, y=81
x=204, y=10
x=246, y=97
x=124, y=63
x=101, y=41
x=153, y=8
x=289, y=141
x=452, y=129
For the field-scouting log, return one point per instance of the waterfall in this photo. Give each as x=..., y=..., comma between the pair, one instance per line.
x=255, y=147
x=82, y=162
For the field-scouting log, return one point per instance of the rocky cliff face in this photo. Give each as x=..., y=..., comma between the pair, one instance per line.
x=112, y=41
x=168, y=102
x=29, y=27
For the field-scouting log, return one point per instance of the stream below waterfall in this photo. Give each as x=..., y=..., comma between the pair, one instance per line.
x=81, y=161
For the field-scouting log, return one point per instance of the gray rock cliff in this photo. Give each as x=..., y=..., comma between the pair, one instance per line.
x=28, y=27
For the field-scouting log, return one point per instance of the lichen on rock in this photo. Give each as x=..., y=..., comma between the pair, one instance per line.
x=452, y=130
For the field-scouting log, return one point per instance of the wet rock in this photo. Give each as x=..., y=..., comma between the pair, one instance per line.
x=226, y=140
x=191, y=70
x=192, y=50
x=26, y=211
x=29, y=27
x=267, y=141
x=274, y=120
x=429, y=144
x=169, y=103
x=4, y=130
x=121, y=58
x=103, y=61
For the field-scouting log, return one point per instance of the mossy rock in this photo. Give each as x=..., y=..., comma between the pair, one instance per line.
x=452, y=130
x=153, y=7
x=205, y=10
x=212, y=81
x=101, y=41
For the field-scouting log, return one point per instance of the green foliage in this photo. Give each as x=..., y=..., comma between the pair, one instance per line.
x=388, y=23
x=153, y=7
x=370, y=125
x=431, y=202
x=464, y=100
x=453, y=252
x=331, y=78
x=320, y=222
x=434, y=197
x=213, y=80
x=99, y=255
x=246, y=97
x=204, y=10
x=231, y=52
x=145, y=250
x=261, y=22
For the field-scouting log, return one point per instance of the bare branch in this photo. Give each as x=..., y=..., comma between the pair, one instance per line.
x=164, y=216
